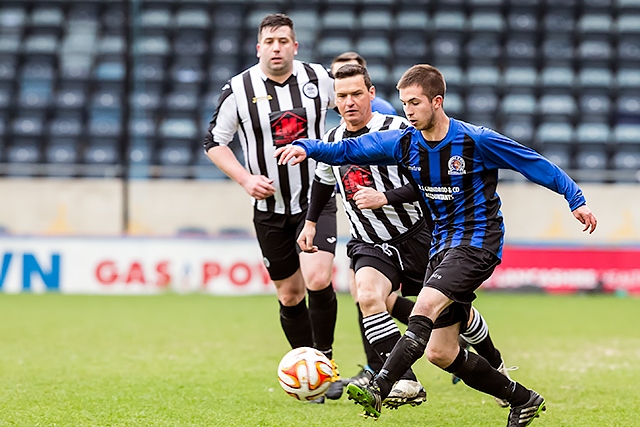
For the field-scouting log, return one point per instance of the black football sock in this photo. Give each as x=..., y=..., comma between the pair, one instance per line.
x=373, y=361
x=323, y=311
x=296, y=324
x=383, y=333
x=402, y=309
x=477, y=334
x=405, y=353
x=478, y=374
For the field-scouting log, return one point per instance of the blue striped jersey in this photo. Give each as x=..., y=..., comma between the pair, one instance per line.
x=457, y=177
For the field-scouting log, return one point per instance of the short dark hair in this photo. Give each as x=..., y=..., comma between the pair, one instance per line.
x=428, y=77
x=276, y=20
x=349, y=56
x=351, y=70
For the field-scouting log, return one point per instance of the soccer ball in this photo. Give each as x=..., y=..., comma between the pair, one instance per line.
x=305, y=373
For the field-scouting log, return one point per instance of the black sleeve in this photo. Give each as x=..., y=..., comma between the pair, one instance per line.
x=320, y=196
x=404, y=194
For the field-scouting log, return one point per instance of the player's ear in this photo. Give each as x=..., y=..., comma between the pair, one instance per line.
x=258, y=50
x=295, y=48
x=372, y=92
x=437, y=101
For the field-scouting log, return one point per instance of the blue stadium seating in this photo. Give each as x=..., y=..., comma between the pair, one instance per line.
x=559, y=75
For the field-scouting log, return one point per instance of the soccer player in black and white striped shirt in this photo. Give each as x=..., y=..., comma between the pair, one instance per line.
x=270, y=105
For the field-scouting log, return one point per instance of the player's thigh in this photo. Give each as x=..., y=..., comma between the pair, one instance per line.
x=277, y=238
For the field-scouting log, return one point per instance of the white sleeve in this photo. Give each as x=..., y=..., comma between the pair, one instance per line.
x=225, y=122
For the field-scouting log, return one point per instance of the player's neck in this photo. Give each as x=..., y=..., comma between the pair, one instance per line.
x=278, y=78
x=439, y=130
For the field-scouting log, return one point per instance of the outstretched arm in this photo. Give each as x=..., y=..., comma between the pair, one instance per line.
x=375, y=148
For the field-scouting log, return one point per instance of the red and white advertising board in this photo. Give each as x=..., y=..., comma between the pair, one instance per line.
x=234, y=266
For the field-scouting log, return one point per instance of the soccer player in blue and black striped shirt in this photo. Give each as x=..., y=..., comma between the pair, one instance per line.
x=454, y=166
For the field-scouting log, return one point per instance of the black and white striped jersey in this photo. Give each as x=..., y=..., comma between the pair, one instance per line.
x=268, y=115
x=370, y=225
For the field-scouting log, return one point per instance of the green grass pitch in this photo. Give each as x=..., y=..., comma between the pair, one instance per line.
x=199, y=360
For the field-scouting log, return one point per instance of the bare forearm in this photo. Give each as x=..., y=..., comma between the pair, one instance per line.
x=226, y=161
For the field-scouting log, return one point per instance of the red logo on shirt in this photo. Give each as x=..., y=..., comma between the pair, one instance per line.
x=354, y=176
x=287, y=126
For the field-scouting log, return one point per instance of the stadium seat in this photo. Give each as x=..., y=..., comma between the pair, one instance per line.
x=593, y=133
x=410, y=45
x=28, y=124
x=595, y=23
x=558, y=21
x=595, y=105
x=558, y=106
x=111, y=44
x=554, y=133
x=560, y=155
x=520, y=50
x=627, y=78
x=66, y=125
x=192, y=17
x=628, y=106
x=9, y=43
x=483, y=76
x=47, y=17
x=455, y=78
x=518, y=104
x=557, y=79
x=373, y=48
x=626, y=160
x=181, y=101
x=104, y=124
x=449, y=22
x=157, y=17
x=190, y=43
x=152, y=46
x=338, y=22
x=594, y=78
x=453, y=104
x=374, y=22
x=447, y=49
x=149, y=70
x=628, y=24
x=227, y=43
x=557, y=48
x=35, y=94
x=229, y=17
x=592, y=159
x=628, y=52
x=487, y=23
x=23, y=155
x=594, y=52
x=519, y=129
x=40, y=44
x=61, y=157
x=12, y=18
x=412, y=21
x=330, y=47
x=113, y=16
x=139, y=161
x=110, y=69
x=100, y=158
x=517, y=78
x=627, y=134
x=523, y=21
x=484, y=49
x=484, y=102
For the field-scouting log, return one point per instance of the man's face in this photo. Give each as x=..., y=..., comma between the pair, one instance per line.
x=276, y=50
x=353, y=100
x=417, y=107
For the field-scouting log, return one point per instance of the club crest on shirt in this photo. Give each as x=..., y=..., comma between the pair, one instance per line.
x=310, y=90
x=456, y=166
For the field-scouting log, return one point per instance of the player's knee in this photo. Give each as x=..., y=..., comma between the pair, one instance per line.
x=438, y=357
x=317, y=280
